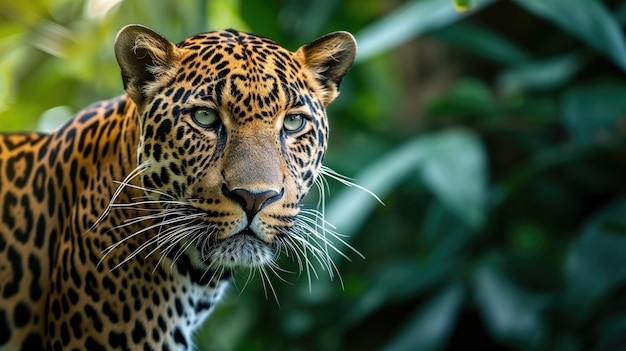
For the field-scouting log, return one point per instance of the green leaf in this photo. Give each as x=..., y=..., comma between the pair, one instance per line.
x=411, y=19
x=349, y=209
x=488, y=44
x=443, y=234
x=615, y=336
x=431, y=325
x=468, y=97
x=226, y=14
x=588, y=20
x=454, y=168
x=452, y=164
x=592, y=113
x=510, y=314
x=399, y=280
x=540, y=75
x=595, y=264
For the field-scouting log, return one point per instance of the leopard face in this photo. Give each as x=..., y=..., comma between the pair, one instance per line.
x=233, y=133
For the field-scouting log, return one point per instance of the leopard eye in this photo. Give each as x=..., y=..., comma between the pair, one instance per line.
x=204, y=117
x=293, y=123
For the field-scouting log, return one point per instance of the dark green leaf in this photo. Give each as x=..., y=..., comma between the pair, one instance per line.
x=588, y=20
x=431, y=325
x=349, y=209
x=510, y=314
x=395, y=280
x=489, y=45
x=595, y=264
x=592, y=113
x=468, y=97
x=454, y=168
x=540, y=75
x=408, y=21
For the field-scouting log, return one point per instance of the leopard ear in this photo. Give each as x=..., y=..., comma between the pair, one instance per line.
x=143, y=56
x=330, y=57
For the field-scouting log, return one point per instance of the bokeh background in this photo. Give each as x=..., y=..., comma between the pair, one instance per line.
x=494, y=137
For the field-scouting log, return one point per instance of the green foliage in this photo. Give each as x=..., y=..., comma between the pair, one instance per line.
x=496, y=145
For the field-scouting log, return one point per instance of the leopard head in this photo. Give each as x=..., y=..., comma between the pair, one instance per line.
x=233, y=131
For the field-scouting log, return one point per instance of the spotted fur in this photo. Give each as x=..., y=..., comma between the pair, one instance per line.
x=121, y=229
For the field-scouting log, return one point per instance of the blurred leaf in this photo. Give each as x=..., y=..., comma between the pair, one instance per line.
x=443, y=233
x=226, y=14
x=407, y=21
x=467, y=97
x=620, y=13
x=510, y=314
x=615, y=338
x=231, y=322
x=432, y=324
x=452, y=164
x=567, y=342
x=588, y=20
x=540, y=75
x=592, y=113
x=51, y=119
x=488, y=44
x=349, y=209
x=528, y=238
x=595, y=264
x=307, y=27
x=454, y=168
x=398, y=279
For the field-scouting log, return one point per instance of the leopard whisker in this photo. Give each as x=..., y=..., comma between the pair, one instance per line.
x=199, y=232
x=300, y=251
x=186, y=245
x=131, y=221
x=320, y=239
x=267, y=282
x=322, y=254
x=169, y=238
x=143, y=246
x=148, y=190
x=159, y=224
x=306, y=246
x=290, y=246
x=158, y=241
x=248, y=280
x=328, y=172
x=122, y=185
x=172, y=236
x=318, y=243
x=322, y=188
x=334, y=234
x=149, y=202
x=217, y=270
x=325, y=261
x=150, y=227
x=317, y=216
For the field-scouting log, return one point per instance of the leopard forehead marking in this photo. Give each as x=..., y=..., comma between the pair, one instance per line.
x=249, y=77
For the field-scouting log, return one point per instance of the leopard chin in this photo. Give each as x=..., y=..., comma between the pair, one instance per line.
x=241, y=250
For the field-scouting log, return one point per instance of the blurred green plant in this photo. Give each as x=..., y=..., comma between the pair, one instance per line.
x=503, y=223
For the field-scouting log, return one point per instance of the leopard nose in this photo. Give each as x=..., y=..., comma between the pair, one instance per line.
x=252, y=201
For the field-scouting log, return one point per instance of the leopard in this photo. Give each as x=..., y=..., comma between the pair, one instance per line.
x=123, y=228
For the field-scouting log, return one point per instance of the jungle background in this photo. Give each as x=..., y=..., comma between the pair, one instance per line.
x=494, y=137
